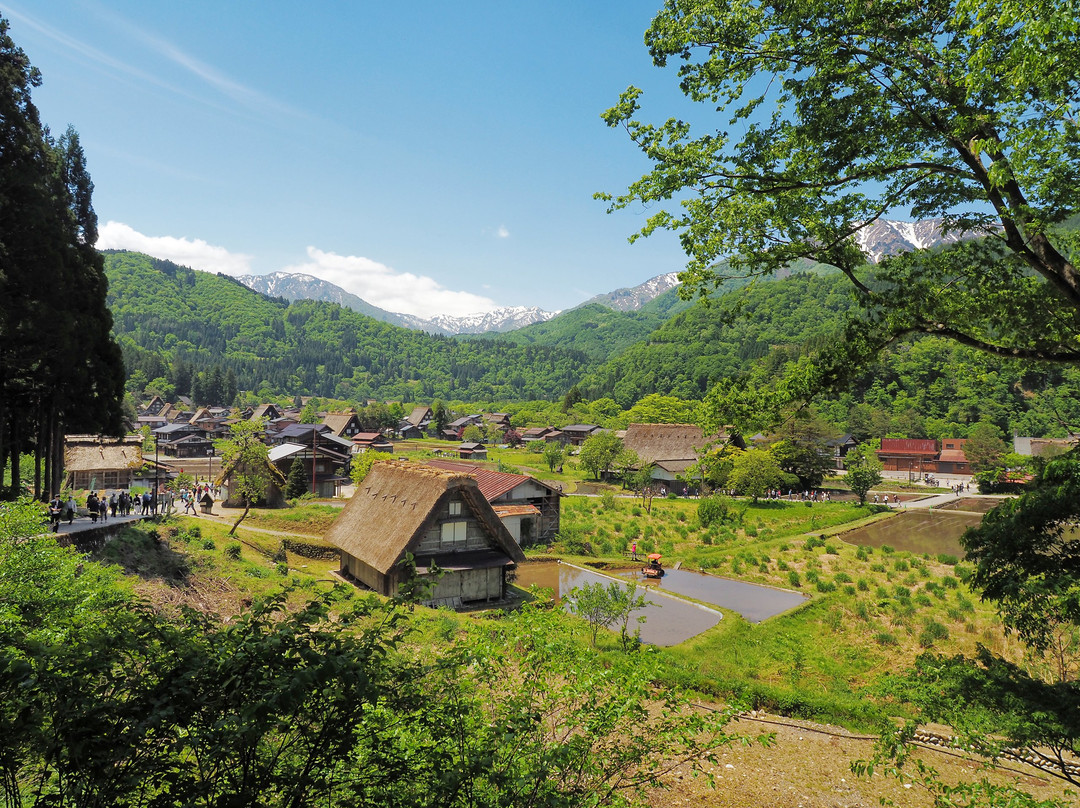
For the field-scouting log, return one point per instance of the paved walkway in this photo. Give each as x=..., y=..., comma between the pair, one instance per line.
x=83, y=523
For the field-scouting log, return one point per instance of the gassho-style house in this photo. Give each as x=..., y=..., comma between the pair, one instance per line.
x=441, y=518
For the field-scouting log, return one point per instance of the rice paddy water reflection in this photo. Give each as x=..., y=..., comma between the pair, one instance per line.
x=668, y=620
x=918, y=531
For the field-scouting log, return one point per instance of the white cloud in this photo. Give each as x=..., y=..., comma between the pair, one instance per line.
x=502, y=232
x=194, y=253
x=385, y=287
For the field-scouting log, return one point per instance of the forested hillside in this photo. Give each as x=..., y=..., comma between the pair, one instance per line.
x=166, y=314
x=921, y=387
x=704, y=344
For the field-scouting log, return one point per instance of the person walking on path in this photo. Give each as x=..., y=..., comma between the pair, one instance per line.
x=70, y=507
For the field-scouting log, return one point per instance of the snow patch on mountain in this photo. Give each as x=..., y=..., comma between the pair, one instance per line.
x=506, y=318
x=634, y=297
x=886, y=237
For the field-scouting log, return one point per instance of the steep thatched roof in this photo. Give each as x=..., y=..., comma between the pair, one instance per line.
x=654, y=442
x=396, y=504
x=338, y=421
x=94, y=453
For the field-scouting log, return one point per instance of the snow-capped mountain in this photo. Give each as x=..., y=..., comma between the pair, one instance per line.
x=885, y=237
x=298, y=286
x=506, y=318
x=634, y=297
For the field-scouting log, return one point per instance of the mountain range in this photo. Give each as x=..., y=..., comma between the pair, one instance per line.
x=884, y=237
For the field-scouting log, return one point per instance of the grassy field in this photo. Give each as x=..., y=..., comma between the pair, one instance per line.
x=870, y=612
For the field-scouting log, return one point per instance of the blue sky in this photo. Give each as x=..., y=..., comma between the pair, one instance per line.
x=429, y=157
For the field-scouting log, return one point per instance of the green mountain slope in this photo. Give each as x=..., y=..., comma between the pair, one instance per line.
x=164, y=313
x=705, y=343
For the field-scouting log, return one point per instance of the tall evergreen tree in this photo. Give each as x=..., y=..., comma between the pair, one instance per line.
x=60, y=369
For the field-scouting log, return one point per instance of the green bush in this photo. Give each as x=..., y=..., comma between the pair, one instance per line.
x=793, y=578
x=233, y=548
x=863, y=585
x=950, y=560
x=885, y=638
x=933, y=632
x=885, y=548
x=209, y=544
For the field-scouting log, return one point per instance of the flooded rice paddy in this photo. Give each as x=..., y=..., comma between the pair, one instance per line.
x=932, y=531
x=754, y=602
x=669, y=619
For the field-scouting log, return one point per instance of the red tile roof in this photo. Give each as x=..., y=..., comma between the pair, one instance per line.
x=908, y=446
x=493, y=484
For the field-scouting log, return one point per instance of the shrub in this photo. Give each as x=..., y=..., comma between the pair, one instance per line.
x=607, y=501
x=813, y=541
x=812, y=576
x=863, y=585
x=949, y=560
x=949, y=582
x=782, y=566
x=793, y=579
x=824, y=586
x=882, y=593
x=885, y=638
x=933, y=632
x=885, y=548
x=862, y=611
x=832, y=549
x=900, y=565
x=283, y=569
x=877, y=568
x=232, y=549
x=842, y=578
x=209, y=544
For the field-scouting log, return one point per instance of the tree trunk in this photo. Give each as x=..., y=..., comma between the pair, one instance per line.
x=247, y=507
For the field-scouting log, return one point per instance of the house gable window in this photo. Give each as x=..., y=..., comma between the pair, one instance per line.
x=454, y=533
x=455, y=509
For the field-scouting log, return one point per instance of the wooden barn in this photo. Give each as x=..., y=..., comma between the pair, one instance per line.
x=438, y=516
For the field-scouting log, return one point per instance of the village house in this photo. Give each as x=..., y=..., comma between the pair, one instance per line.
x=441, y=519
x=913, y=455
x=498, y=421
x=544, y=433
x=472, y=451
x=669, y=450
x=839, y=448
x=527, y=506
x=420, y=417
x=951, y=459
x=267, y=411
x=94, y=462
x=343, y=424
x=371, y=441
x=577, y=434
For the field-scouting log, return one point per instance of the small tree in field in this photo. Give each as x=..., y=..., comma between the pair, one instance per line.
x=754, y=472
x=554, y=454
x=246, y=463
x=863, y=471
